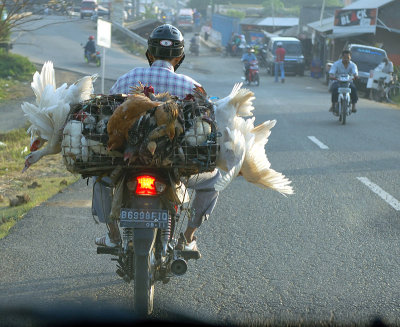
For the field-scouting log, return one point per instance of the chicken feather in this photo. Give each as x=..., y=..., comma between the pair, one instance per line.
x=52, y=107
x=125, y=116
x=243, y=144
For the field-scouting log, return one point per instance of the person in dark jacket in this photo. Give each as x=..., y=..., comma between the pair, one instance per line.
x=90, y=47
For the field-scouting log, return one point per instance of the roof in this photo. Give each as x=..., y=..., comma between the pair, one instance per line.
x=322, y=26
x=367, y=4
x=291, y=31
x=279, y=21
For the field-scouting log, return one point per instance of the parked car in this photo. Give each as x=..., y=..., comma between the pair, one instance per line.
x=366, y=58
x=294, y=58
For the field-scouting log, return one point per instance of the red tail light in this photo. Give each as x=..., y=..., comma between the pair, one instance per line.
x=146, y=185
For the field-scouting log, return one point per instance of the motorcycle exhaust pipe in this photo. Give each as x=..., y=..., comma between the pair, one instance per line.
x=179, y=267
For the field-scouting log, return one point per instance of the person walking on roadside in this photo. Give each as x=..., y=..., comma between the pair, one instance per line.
x=279, y=62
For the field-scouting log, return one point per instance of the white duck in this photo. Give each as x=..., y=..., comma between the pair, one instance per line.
x=52, y=107
x=242, y=146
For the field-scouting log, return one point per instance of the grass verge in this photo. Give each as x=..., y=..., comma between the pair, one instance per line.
x=40, y=182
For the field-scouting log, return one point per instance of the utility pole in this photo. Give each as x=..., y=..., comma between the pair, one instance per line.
x=322, y=13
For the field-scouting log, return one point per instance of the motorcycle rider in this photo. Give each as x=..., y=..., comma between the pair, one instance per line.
x=165, y=53
x=90, y=47
x=248, y=57
x=344, y=66
x=195, y=43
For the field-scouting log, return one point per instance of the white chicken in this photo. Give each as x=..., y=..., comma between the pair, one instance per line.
x=198, y=133
x=52, y=107
x=75, y=146
x=242, y=146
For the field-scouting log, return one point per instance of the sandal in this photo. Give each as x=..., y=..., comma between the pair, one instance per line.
x=184, y=246
x=105, y=241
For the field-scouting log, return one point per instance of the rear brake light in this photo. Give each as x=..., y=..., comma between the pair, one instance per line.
x=146, y=185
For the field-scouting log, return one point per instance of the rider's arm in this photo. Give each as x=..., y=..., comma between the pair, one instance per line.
x=332, y=71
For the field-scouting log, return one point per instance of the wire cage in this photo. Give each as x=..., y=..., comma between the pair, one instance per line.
x=85, y=138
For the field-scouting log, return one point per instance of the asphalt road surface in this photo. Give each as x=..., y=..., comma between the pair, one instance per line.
x=329, y=253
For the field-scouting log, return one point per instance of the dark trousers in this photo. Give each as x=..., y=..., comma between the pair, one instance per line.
x=335, y=93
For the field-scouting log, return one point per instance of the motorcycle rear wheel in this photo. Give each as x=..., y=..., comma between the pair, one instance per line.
x=143, y=285
x=343, y=111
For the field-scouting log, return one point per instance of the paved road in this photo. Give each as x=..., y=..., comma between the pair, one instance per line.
x=328, y=253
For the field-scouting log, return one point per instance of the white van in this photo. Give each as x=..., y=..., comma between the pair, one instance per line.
x=88, y=8
x=294, y=58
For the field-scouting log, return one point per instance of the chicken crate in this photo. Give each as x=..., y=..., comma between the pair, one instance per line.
x=84, y=144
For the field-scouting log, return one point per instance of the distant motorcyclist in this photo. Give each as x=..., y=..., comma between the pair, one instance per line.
x=90, y=47
x=195, y=43
x=248, y=57
x=344, y=66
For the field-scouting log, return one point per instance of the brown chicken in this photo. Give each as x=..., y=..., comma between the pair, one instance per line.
x=125, y=116
x=166, y=118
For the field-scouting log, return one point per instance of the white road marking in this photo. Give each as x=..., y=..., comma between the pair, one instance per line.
x=318, y=142
x=384, y=195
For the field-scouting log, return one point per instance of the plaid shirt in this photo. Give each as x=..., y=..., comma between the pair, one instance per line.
x=160, y=75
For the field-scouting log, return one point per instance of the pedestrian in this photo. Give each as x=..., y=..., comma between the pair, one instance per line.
x=279, y=62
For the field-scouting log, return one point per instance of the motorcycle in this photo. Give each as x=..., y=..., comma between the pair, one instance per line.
x=253, y=73
x=93, y=58
x=150, y=202
x=343, y=105
x=194, y=48
x=262, y=56
x=151, y=212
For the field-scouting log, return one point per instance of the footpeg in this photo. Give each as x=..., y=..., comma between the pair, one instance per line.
x=187, y=255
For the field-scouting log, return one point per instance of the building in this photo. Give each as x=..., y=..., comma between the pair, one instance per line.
x=368, y=22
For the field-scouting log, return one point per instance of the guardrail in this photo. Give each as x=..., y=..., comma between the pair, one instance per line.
x=130, y=34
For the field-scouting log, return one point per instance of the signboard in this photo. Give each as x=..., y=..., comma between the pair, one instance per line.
x=103, y=33
x=355, y=21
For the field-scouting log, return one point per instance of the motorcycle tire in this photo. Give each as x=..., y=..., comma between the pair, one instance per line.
x=143, y=285
x=343, y=111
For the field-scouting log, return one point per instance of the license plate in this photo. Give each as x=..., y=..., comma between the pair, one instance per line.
x=143, y=218
x=344, y=90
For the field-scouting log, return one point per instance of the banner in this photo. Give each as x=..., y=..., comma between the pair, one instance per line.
x=103, y=33
x=355, y=21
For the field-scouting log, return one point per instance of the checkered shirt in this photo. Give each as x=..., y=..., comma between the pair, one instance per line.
x=160, y=76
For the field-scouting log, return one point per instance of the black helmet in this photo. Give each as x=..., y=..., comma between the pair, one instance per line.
x=165, y=42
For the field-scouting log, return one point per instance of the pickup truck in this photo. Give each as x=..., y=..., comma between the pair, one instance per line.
x=366, y=58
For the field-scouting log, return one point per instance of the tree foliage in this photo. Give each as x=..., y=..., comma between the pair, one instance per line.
x=292, y=7
x=15, y=14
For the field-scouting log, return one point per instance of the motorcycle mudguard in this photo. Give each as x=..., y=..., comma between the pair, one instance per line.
x=143, y=240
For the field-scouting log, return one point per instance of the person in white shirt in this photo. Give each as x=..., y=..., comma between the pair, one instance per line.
x=386, y=66
x=344, y=66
